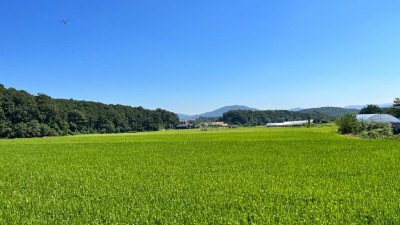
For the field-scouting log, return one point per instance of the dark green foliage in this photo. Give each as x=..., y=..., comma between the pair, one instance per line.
x=348, y=124
x=25, y=115
x=331, y=112
x=261, y=117
x=371, y=109
x=395, y=110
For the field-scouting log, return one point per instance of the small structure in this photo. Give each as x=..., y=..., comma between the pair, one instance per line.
x=289, y=123
x=185, y=125
x=379, y=118
x=274, y=125
x=217, y=124
x=390, y=120
x=296, y=123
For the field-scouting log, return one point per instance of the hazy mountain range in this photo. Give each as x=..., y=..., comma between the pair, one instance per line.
x=385, y=105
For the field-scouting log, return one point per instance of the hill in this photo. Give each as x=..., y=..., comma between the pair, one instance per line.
x=26, y=115
x=331, y=111
x=215, y=113
x=296, y=109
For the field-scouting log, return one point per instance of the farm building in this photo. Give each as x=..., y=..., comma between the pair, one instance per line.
x=381, y=118
x=185, y=125
x=289, y=123
x=274, y=125
x=217, y=124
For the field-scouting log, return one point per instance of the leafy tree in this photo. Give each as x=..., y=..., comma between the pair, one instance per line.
x=348, y=124
x=19, y=130
x=395, y=110
x=33, y=129
x=77, y=120
x=371, y=109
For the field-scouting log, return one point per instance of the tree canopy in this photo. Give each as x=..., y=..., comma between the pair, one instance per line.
x=371, y=109
x=261, y=117
x=26, y=115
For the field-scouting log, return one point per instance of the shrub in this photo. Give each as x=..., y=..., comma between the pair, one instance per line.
x=348, y=124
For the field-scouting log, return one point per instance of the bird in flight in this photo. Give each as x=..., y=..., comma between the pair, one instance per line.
x=64, y=21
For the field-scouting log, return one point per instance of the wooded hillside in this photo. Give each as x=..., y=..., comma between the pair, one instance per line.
x=26, y=115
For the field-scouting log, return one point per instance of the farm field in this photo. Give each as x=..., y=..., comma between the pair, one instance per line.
x=238, y=176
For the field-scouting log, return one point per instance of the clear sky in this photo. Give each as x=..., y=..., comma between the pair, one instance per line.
x=195, y=56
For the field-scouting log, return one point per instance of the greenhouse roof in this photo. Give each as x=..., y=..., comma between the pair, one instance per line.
x=385, y=118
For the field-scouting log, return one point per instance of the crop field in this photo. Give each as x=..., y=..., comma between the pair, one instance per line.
x=238, y=176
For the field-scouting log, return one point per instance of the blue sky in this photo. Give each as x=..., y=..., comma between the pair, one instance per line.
x=195, y=56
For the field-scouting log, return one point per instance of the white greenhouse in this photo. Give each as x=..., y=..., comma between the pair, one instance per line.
x=381, y=118
x=289, y=123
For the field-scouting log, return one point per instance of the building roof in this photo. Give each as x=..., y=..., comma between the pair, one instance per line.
x=385, y=118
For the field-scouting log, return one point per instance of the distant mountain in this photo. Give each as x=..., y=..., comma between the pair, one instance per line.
x=385, y=105
x=331, y=111
x=187, y=117
x=220, y=111
x=296, y=109
x=215, y=113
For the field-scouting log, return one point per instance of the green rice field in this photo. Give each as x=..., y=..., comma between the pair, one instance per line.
x=231, y=176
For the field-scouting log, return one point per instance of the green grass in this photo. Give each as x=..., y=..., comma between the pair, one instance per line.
x=238, y=176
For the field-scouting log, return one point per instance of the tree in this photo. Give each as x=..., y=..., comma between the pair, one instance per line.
x=371, y=109
x=77, y=121
x=348, y=124
x=395, y=110
x=25, y=115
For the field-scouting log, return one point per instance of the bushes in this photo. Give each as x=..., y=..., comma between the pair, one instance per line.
x=349, y=124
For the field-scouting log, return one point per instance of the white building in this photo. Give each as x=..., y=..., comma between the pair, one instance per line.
x=289, y=123
x=380, y=118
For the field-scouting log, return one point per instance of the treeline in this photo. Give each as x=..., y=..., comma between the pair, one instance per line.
x=374, y=109
x=26, y=115
x=261, y=117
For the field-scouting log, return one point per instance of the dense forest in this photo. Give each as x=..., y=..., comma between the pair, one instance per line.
x=26, y=115
x=261, y=117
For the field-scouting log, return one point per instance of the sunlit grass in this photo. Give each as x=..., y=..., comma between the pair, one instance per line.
x=260, y=175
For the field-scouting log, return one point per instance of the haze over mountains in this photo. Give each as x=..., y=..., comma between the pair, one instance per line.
x=215, y=113
x=384, y=105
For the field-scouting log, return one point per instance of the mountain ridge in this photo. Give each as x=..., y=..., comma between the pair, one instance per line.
x=215, y=113
x=328, y=110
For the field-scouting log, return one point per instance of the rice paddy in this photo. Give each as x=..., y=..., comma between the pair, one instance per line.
x=238, y=176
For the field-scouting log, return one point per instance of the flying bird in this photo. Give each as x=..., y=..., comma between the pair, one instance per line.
x=64, y=21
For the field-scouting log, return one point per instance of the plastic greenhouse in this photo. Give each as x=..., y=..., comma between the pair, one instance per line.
x=382, y=118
